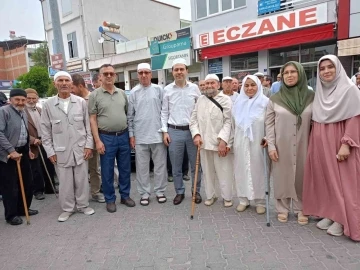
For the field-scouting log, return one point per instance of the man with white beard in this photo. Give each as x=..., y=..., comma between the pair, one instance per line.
x=210, y=128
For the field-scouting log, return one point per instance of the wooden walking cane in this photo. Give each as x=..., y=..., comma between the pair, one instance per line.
x=195, y=182
x=47, y=172
x=22, y=190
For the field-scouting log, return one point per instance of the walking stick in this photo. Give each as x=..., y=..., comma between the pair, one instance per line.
x=47, y=172
x=195, y=182
x=22, y=190
x=266, y=189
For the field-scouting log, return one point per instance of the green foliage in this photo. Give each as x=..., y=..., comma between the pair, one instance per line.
x=40, y=56
x=37, y=78
x=52, y=91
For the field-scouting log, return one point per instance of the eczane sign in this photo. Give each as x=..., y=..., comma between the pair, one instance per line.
x=300, y=18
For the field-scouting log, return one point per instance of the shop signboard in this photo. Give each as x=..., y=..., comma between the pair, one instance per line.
x=171, y=46
x=164, y=61
x=265, y=6
x=277, y=23
x=215, y=66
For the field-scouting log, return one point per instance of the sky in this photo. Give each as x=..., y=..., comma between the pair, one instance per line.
x=25, y=17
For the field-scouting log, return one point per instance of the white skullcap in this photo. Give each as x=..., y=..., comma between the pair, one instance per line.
x=212, y=77
x=179, y=61
x=227, y=78
x=62, y=73
x=144, y=66
x=259, y=74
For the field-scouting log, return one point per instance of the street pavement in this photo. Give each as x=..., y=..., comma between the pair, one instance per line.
x=162, y=236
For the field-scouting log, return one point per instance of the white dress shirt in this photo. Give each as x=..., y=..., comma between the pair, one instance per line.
x=178, y=104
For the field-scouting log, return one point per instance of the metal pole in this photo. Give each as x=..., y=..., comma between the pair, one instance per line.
x=58, y=39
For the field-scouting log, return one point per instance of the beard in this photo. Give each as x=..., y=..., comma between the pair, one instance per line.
x=211, y=92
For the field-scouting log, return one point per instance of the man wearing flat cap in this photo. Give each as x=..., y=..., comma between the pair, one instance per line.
x=40, y=178
x=14, y=141
x=210, y=128
x=144, y=122
x=67, y=139
x=227, y=88
x=178, y=103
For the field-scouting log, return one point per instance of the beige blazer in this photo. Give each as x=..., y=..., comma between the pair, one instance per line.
x=212, y=124
x=66, y=135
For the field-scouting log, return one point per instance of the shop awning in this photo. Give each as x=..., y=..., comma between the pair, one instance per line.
x=349, y=47
x=319, y=33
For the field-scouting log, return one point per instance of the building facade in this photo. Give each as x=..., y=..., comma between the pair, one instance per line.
x=86, y=48
x=349, y=35
x=240, y=37
x=15, y=57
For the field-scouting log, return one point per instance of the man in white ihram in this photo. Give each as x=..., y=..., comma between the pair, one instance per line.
x=210, y=128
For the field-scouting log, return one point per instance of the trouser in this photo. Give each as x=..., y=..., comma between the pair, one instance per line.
x=215, y=167
x=258, y=202
x=185, y=165
x=37, y=174
x=51, y=170
x=283, y=205
x=142, y=158
x=73, y=186
x=181, y=140
x=116, y=147
x=10, y=186
x=95, y=181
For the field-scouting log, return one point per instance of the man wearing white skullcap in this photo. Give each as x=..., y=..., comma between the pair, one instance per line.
x=210, y=128
x=178, y=103
x=261, y=77
x=67, y=139
x=144, y=123
x=227, y=88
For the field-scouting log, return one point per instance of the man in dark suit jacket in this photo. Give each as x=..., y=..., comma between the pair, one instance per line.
x=40, y=178
x=14, y=146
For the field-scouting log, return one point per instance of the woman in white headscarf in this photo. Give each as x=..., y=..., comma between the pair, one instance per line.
x=332, y=173
x=249, y=127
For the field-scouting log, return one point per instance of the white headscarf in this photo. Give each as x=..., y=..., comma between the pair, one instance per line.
x=246, y=110
x=337, y=100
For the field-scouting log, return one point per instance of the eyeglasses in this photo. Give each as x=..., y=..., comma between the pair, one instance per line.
x=144, y=72
x=291, y=72
x=107, y=74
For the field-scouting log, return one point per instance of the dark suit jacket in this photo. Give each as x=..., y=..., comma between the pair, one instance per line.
x=33, y=133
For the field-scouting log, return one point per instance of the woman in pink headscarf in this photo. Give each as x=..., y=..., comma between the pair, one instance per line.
x=331, y=181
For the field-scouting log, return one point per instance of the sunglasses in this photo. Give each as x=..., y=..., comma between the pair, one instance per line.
x=144, y=72
x=107, y=74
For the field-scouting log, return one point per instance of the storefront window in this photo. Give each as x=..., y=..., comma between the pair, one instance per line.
x=310, y=53
x=244, y=62
x=356, y=64
x=215, y=66
x=280, y=57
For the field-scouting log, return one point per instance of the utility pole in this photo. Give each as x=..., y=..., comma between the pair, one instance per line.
x=58, y=39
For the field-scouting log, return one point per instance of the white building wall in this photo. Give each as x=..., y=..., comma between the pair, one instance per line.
x=139, y=18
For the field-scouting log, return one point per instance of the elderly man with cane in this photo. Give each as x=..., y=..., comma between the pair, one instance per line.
x=14, y=141
x=42, y=171
x=67, y=139
x=210, y=128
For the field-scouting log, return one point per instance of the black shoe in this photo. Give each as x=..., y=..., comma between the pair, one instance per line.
x=30, y=212
x=128, y=202
x=39, y=196
x=15, y=221
x=178, y=199
x=198, y=198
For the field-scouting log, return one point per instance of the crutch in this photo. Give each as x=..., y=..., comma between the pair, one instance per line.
x=195, y=182
x=266, y=188
x=22, y=190
x=47, y=172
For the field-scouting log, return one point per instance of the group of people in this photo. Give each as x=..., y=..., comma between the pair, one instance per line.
x=312, y=140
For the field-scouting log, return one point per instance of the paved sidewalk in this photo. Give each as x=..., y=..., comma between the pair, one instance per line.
x=161, y=236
